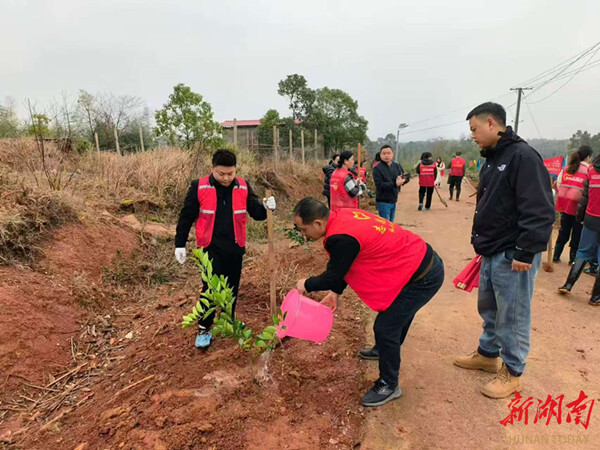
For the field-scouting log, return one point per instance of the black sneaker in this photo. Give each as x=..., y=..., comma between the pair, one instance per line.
x=369, y=353
x=420, y=206
x=380, y=394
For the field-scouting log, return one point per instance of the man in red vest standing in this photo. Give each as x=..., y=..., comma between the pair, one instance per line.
x=457, y=172
x=359, y=245
x=427, y=171
x=218, y=203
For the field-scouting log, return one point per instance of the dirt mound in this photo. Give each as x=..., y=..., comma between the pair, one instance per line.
x=40, y=311
x=153, y=389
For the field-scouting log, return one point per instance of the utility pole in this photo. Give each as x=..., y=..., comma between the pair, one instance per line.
x=400, y=127
x=519, y=95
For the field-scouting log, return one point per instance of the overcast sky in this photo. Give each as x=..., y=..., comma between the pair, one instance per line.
x=404, y=61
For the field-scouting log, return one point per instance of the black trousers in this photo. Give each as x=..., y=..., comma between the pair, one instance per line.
x=391, y=325
x=455, y=182
x=569, y=228
x=425, y=190
x=229, y=266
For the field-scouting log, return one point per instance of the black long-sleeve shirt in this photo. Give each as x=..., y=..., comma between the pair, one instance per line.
x=384, y=176
x=515, y=209
x=223, y=240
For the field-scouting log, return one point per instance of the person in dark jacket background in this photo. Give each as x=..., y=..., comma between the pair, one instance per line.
x=388, y=176
x=218, y=204
x=511, y=228
x=588, y=212
x=328, y=169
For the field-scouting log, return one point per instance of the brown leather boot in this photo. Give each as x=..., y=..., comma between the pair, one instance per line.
x=504, y=385
x=476, y=361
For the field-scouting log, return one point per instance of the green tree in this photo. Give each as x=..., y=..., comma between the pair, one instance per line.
x=335, y=115
x=265, y=129
x=584, y=138
x=39, y=126
x=301, y=97
x=9, y=122
x=187, y=120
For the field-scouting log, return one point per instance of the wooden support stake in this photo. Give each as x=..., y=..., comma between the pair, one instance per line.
x=291, y=146
x=358, y=160
x=141, y=137
x=248, y=139
x=97, y=143
x=548, y=264
x=117, y=142
x=275, y=142
x=271, y=250
x=302, y=143
x=316, y=139
x=235, y=141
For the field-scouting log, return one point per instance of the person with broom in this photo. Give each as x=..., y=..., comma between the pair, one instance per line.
x=359, y=245
x=427, y=171
x=218, y=204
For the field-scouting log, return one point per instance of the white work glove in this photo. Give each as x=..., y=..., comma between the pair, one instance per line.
x=180, y=255
x=269, y=203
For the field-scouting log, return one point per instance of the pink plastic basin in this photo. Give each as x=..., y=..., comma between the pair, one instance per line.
x=306, y=319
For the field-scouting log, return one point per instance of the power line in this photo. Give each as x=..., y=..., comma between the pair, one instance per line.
x=559, y=67
x=452, y=112
x=432, y=128
x=532, y=118
x=568, y=81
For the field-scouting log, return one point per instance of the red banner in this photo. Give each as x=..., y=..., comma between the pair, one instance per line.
x=554, y=165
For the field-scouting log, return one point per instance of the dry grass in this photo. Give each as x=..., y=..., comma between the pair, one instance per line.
x=26, y=217
x=96, y=182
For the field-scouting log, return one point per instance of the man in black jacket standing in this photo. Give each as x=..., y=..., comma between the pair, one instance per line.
x=511, y=228
x=388, y=177
x=218, y=204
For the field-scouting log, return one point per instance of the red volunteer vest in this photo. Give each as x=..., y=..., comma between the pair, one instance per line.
x=388, y=257
x=570, y=190
x=426, y=175
x=339, y=197
x=457, y=167
x=593, y=207
x=207, y=196
x=363, y=174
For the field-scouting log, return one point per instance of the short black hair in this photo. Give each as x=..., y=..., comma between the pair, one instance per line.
x=458, y=153
x=344, y=156
x=335, y=155
x=309, y=210
x=378, y=156
x=426, y=155
x=225, y=158
x=386, y=146
x=490, y=109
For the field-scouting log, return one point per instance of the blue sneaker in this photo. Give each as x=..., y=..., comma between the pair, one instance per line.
x=203, y=340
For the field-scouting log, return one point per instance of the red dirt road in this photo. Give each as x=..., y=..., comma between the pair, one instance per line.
x=442, y=406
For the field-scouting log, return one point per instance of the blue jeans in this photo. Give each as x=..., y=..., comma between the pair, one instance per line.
x=504, y=304
x=386, y=210
x=588, y=245
x=391, y=325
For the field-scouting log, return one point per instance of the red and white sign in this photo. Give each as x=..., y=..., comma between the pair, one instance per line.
x=554, y=165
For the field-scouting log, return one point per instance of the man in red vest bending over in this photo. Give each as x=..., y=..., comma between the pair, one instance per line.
x=457, y=172
x=219, y=203
x=344, y=185
x=360, y=245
